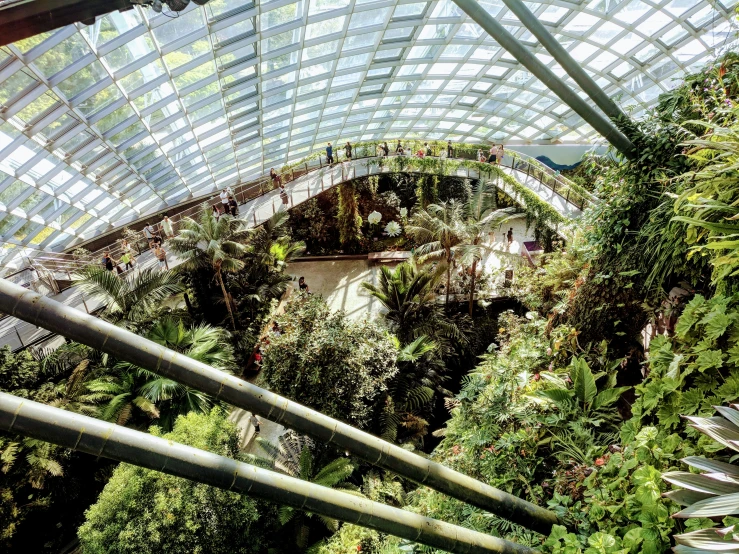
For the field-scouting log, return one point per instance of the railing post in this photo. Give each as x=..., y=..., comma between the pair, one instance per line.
x=15, y=328
x=254, y=213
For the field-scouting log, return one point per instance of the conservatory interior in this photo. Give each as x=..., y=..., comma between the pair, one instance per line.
x=378, y=276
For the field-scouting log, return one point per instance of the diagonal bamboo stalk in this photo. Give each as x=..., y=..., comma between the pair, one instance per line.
x=100, y=438
x=69, y=322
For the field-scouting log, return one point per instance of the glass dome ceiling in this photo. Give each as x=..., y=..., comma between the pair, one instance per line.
x=103, y=124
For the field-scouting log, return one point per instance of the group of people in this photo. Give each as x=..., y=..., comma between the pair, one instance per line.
x=228, y=204
x=495, y=155
x=153, y=235
x=383, y=150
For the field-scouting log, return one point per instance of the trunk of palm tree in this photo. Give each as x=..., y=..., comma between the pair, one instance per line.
x=101, y=438
x=472, y=285
x=225, y=298
x=66, y=321
x=448, y=276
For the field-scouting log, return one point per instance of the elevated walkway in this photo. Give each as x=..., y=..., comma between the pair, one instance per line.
x=55, y=281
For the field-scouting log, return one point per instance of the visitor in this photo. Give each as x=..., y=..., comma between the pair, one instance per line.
x=501, y=153
x=126, y=260
x=233, y=205
x=224, y=201
x=276, y=179
x=216, y=212
x=149, y=233
x=510, y=236
x=481, y=156
x=161, y=255
x=420, y=153
x=427, y=149
x=329, y=154
x=166, y=226
x=493, y=155
x=385, y=150
x=283, y=195
x=254, y=421
x=449, y=150
x=156, y=241
x=125, y=247
x=399, y=149
x=108, y=262
x=348, y=150
x=303, y=286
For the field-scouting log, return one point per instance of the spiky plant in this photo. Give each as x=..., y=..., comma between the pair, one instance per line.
x=712, y=491
x=130, y=298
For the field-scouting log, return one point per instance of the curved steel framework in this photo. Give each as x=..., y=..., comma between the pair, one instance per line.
x=102, y=124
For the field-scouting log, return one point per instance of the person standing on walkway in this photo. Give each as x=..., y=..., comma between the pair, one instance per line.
x=166, y=226
x=303, y=286
x=399, y=149
x=329, y=154
x=224, y=200
x=233, y=205
x=255, y=422
x=161, y=256
x=385, y=150
x=276, y=180
x=149, y=233
x=283, y=195
x=127, y=260
x=348, y=150
x=427, y=148
x=108, y=262
x=493, y=155
x=509, y=235
x=500, y=153
x=216, y=212
x=449, y=150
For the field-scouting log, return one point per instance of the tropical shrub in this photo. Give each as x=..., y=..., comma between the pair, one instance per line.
x=327, y=362
x=142, y=510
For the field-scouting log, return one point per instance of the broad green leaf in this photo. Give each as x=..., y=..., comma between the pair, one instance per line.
x=607, y=397
x=583, y=381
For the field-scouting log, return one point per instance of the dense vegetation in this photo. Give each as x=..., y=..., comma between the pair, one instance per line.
x=573, y=401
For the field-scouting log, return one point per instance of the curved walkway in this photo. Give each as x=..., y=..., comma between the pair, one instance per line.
x=18, y=334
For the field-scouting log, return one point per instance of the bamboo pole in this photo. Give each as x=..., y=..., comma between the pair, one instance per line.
x=125, y=345
x=100, y=438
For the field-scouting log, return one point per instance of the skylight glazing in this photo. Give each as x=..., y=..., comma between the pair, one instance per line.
x=101, y=125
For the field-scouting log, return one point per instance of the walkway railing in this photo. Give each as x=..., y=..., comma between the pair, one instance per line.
x=304, y=183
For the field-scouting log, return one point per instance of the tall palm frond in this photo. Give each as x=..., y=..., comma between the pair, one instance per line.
x=129, y=298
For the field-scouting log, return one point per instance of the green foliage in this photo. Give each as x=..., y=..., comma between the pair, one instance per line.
x=131, y=298
x=327, y=362
x=142, y=510
x=349, y=221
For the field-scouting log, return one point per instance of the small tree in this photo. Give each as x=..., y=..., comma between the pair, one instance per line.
x=216, y=243
x=327, y=362
x=440, y=230
x=142, y=510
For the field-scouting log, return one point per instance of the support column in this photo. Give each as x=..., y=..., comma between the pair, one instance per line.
x=602, y=125
x=558, y=52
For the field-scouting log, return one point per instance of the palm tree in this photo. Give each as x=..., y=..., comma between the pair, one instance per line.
x=441, y=230
x=405, y=292
x=217, y=244
x=131, y=298
x=481, y=217
x=157, y=396
x=270, y=250
x=294, y=456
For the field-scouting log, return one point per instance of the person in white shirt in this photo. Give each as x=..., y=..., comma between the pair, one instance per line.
x=224, y=201
x=166, y=226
